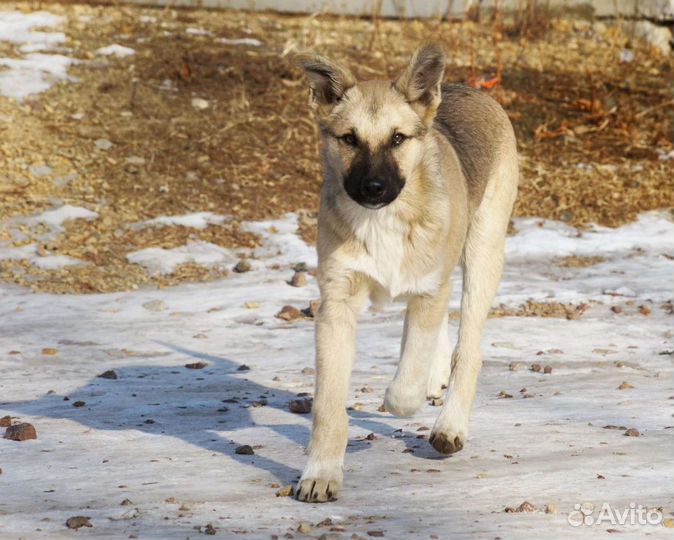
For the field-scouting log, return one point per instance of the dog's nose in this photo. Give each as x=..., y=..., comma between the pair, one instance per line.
x=373, y=188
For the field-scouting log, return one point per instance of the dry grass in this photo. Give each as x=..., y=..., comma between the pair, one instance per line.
x=588, y=127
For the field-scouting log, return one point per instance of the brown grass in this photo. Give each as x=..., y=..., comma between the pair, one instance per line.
x=588, y=127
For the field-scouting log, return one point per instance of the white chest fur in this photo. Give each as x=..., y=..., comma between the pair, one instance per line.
x=386, y=260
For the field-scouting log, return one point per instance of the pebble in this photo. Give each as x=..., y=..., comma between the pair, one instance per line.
x=526, y=506
x=535, y=367
x=308, y=371
x=625, y=386
x=210, y=530
x=243, y=367
x=312, y=310
x=286, y=491
x=196, y=365
x=103, y=144
x=79, y=404
x=299, y=279
x=304, y=527
x=109, y=374
x=21, y=432
x=289, y=313
x=547, y=369
x=300, y=406
x=126, y=502
x=438, y=402
x=155, y=305
x=49, y=351
x=616, y=309
x=6, y=421
x=242, y=266
x=632, y=432
x=200, y=103
x=76, y=522
x=375, y=534
x=244, y=450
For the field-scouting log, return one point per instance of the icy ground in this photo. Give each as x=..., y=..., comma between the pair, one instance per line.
x=161, y=436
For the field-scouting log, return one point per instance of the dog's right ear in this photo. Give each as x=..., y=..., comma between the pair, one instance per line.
x=328, y=80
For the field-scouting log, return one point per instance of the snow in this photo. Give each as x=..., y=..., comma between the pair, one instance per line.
x=251, y=42
x=35, y=72
x=159, y=434
x=58, y=216
x=165, y=261
x=115, y=50
x=195, y=220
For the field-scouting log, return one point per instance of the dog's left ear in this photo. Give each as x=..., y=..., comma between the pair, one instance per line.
x=327, y=79
x=420, y=82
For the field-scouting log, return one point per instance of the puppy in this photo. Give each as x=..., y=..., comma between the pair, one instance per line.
x=418, y=176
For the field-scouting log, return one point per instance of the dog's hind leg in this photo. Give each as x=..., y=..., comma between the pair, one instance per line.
x=335, y=351
x=482, y=264
x=425, y=323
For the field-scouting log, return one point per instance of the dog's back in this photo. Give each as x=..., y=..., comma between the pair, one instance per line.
x=478, y=129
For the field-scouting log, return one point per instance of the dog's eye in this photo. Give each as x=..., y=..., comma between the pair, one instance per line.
x=349, y=139
x=398, y=139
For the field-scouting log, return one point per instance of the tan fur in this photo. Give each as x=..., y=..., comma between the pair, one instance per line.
x=460, y=185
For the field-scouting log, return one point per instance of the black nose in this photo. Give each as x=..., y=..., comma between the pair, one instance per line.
x=373, y=189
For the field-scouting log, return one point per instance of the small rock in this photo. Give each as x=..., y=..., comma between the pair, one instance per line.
x=300, y=406
x=209, y=530
x=197, y=365
x=109, y=374
x=504, y=395
x=243, y=367
x=514, y=366
x=644, y=310
x=289, y=313
x=526, y=506
x=103, y=144
x=304, y=527
x=21, y=432
x=6, y=421
x=625, y=386
x=375, y=534
x=76, y=522
x=242, y=266
x=199, y=103
x=79, y=403
x=300, y=267
x=244, y=450
x=632, y=432
x=286, y=491
x=438, y=402
x=171, y=500
x=49, y=351
x=126, y=502
x=616, y=309
x=547, y=369
x=299, y=279
x=312, y=310
x=551, y=508
x=308, y=371
x=535, y=367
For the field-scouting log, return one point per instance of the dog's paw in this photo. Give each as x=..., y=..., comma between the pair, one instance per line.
x=446, y=442
x=403, y=400
x=317, y=490
x=319, y=483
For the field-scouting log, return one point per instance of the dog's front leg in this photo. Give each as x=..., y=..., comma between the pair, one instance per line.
x=335, y=350
x=425, y=320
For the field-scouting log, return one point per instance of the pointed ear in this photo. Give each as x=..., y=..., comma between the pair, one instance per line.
x=420, y=82
x=328, y=80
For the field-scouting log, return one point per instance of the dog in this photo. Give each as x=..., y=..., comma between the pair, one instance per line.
x=419, y=176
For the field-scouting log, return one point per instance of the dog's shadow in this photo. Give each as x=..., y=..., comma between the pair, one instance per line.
x=194, y=405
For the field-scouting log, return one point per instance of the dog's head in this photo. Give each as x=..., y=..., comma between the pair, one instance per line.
x=372, y=131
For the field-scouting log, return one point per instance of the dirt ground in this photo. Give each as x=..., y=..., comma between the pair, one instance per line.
x=591, y=129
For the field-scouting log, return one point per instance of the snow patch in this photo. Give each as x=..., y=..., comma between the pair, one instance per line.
x=35, y=72
x=57, y=217
x=251, y=42
x=165, y=261
x=196, y=220
x=115, y=50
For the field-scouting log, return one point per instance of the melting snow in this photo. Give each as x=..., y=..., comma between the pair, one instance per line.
x=115, y=50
